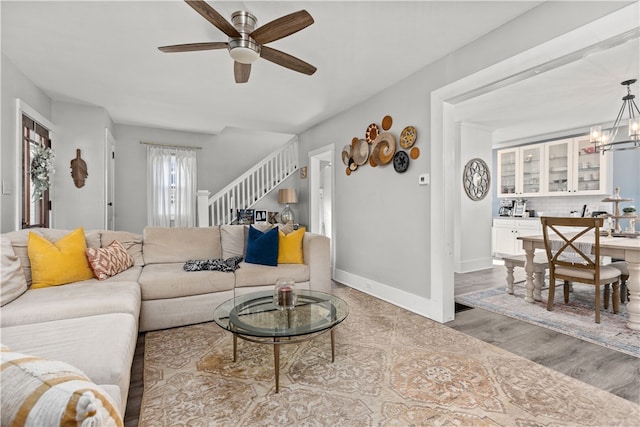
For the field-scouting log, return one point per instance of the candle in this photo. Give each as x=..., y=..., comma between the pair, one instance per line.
x=285, y=296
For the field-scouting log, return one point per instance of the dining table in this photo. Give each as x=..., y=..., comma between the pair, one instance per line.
x=625, y=248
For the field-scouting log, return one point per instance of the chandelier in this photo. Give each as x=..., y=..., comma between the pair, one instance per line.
x=606, y=140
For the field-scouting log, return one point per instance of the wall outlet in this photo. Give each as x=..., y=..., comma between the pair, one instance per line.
x=423, y=179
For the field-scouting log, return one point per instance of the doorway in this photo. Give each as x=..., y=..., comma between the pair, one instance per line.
x=321, y=192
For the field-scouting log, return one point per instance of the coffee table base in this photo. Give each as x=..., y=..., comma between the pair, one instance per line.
x=276, y=342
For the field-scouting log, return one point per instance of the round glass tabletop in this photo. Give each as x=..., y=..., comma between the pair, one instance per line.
x=256, y=315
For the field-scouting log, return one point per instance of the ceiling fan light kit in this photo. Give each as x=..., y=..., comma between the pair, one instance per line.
x=605, y=140
x=246, y=42
x=244, y=49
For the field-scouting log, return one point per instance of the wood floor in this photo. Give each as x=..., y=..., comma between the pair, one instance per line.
x=606, y=369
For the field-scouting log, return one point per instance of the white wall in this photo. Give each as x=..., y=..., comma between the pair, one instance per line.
x=14, y=85
x=79, y=127
x=472, y=223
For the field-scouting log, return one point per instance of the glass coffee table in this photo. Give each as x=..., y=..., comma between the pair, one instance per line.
x=254, y=317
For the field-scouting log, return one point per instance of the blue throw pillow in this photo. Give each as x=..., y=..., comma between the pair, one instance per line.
x=262, y=248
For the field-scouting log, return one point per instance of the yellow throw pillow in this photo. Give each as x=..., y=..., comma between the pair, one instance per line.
x=290, y=247
x=58, y=263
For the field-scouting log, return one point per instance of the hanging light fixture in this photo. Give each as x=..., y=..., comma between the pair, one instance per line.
x=605, y=140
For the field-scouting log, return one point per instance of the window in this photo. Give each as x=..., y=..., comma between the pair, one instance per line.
x=171, y=186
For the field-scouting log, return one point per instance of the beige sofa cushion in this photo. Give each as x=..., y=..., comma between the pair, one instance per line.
x=167, y=245
x=159, y=281
x=12, y=280
x=234, y=240
x=78, y=299
x=101, y=346
x=132, y=243
x=260, y=275
x=19, y=241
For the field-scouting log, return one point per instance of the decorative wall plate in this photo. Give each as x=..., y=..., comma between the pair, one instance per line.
x=414, y=153
x=384, y=147
x=387, y=121
x=372, y=132
x=346, y=154
x=360, y=152
x=476, y=179
x=408, y=137
x=401, y=161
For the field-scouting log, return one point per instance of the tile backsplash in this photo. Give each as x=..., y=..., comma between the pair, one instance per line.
x=563, y=206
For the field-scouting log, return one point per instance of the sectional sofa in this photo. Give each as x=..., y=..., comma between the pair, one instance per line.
x=93, y=324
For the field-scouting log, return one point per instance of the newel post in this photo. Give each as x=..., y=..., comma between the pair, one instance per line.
x=203, y=208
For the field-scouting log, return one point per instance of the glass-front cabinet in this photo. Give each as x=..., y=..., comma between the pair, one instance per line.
x=561, y=167
x=531, y=161
x=507, y=162
x=520, y=171
x=558, y=157
x=590, y=171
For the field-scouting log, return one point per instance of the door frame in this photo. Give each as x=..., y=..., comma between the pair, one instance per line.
x=109, y=179
x=22, y=108
x=316, y=156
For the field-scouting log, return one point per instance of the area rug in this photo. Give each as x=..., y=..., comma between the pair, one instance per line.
x=392, y=368
x=577, y=318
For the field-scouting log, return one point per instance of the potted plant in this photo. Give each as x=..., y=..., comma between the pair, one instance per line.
x=629, y=210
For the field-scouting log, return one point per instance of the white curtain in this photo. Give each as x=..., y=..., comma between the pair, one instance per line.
x=185, y=199
x=160, y=162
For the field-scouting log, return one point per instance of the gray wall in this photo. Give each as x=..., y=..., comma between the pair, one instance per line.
x=381, y=218
x=222, y=158
x=79, y=127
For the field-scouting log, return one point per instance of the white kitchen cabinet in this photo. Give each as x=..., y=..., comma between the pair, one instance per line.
x=591, y=171
x=557, y=168
x=505, y=233
x=520, y=171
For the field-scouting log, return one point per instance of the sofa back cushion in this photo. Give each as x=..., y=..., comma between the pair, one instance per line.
x=164, y=244
x=12, y=281
x=19, y=240
x=130, y=241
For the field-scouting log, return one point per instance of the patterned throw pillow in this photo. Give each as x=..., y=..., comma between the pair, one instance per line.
x=39, y=392
x=109, y=261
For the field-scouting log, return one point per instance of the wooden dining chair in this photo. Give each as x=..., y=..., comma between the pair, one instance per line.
x=574, y=260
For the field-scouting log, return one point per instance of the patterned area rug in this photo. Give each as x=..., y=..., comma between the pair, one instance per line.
x=577, y=318
x=392, y=368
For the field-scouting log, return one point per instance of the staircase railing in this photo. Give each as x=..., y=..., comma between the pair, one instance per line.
x=248, y=189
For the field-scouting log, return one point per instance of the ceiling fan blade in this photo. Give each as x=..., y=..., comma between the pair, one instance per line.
x=214, y=17
x=287, y=61
x=241, y=72
x=189, y=47
x=282, y=27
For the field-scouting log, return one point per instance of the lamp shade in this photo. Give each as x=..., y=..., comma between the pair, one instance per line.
x=287, y=195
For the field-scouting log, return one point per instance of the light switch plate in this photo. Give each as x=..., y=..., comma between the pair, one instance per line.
x=423, y=179
x=6, y=187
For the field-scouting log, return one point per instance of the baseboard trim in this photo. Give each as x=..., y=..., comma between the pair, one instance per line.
x=414, y=303
x=473, y=265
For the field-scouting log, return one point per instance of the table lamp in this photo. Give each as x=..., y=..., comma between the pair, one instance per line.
x=287, y=196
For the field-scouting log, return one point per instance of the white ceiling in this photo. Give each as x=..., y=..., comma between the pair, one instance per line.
x=105, y=54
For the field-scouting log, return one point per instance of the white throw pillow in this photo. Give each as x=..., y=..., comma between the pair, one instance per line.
x=12, y=281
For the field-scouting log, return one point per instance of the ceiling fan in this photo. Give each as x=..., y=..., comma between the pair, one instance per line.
x=246, y=43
